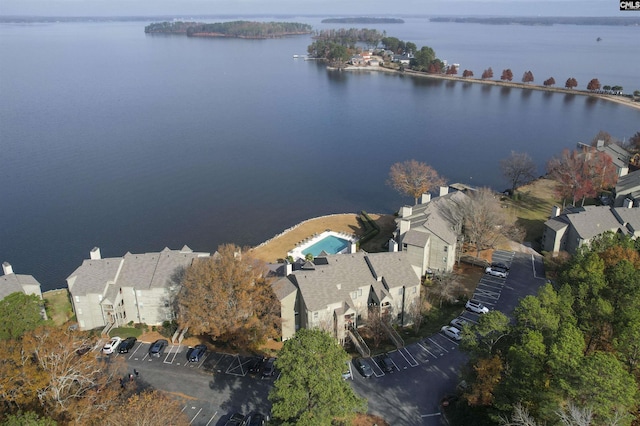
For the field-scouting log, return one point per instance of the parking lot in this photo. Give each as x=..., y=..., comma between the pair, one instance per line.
x=409, y=392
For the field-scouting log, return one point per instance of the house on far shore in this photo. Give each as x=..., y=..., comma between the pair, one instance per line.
x=135, y=288
x=14, y=283
x=429, y=231
x=627, y=190
x=577, y=226
x=338, y=292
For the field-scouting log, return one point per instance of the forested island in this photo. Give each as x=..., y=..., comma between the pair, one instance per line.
x=237, y=29
x=362, y=20
x=545, y=20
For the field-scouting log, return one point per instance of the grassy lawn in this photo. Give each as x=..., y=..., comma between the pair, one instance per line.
x=531, y=207
x=125, y=332
x=58, y=306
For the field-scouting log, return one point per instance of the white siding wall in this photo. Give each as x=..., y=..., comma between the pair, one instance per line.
x=88, y=311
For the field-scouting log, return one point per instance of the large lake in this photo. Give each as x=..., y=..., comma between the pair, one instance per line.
x=132, y=142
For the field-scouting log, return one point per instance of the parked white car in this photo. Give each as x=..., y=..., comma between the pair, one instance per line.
x=111, y=345
x=496, y=272
x=451, y=332
x=459, y=323
x=477, y=307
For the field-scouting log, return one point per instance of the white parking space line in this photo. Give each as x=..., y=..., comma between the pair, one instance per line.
x=194, y=417
x=211, y=419
x=427, y=350
x=435, y=343
x=498, y=282
x=412, y=362
x=487, y=293
x=170, y=353
x=375, y=373
x=138, y=346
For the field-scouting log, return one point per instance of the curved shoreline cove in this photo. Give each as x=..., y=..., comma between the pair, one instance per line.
x=622, y=100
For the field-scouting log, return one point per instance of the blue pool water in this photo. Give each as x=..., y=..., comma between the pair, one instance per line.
x=330, y=244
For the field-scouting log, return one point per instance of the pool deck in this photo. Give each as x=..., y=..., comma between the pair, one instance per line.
x=297, y=252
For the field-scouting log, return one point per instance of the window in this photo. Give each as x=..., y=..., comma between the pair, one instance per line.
x=401, y=291
x=315, y=315
x=359, y=292
x=78, y=298
x=446, y=248
x=79, y=311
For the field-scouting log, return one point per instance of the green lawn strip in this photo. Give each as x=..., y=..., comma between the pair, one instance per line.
x=125, y=332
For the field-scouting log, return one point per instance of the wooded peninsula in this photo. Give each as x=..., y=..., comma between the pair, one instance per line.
x=237, y=29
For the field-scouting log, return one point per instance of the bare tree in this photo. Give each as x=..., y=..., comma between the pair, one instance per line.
x=414, y=178
x=445, y=287
x=519, y=417
x=415, y=312
x=483, y=218
x=376, y=321
x=573, y=415
x=518, y=168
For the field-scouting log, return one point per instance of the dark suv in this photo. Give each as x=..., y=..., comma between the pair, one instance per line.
x=196, y=354
x=269, y=368
x=127, y=344
x=157, y=347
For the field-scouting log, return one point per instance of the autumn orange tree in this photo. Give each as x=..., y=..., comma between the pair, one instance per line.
x=488, y=73
x=229, y=297
x=527, y=77
x=571, y=83
x=414, y=178
x=507, y=75
x=549, y=82
x=467, y=73
x=594, y=84
x=581, y=175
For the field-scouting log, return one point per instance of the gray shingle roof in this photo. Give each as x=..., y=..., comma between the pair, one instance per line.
x=628, y=182
x=629, y=217
x=139, y=271
x=93, y=275
x=415, y=238
x=438, y=216
x=556, y=223
x=283, y=287
x=13, y=283
x=319, y=287
x=594, y=220
x=395, y=268
x=344, y=273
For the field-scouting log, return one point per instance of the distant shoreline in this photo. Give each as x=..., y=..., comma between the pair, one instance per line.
x=611, y=98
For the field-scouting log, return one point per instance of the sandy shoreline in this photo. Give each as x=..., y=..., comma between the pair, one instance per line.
x=611, y=98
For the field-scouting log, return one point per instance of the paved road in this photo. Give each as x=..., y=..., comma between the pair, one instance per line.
x=424, y=372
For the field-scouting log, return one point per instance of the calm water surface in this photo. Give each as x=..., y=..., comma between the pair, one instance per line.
x=130, y=142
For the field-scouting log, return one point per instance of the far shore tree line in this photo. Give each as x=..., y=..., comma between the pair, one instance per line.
x=337, y=46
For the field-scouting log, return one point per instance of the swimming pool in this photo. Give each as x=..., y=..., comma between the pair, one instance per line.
x=329, y=244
